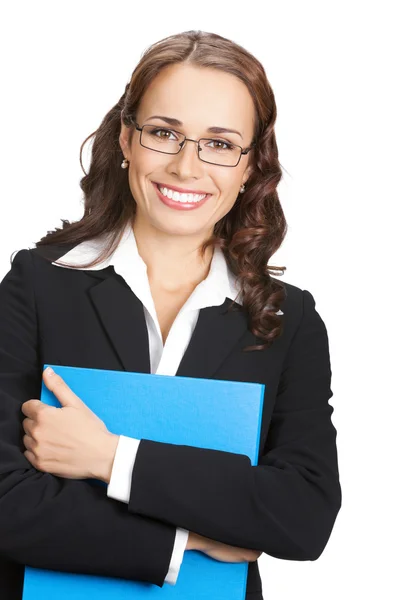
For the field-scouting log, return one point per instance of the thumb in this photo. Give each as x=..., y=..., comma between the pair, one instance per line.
x=62, y=391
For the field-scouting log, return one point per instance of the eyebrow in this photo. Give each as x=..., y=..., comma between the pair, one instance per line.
x=177, y=123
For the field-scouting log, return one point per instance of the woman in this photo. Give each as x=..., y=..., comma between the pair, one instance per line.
x=167, y=273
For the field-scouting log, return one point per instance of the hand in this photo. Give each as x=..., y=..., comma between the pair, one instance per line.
x=70, y=441
x=220, y=551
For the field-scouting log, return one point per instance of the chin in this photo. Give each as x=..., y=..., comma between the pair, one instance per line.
x=176, y=227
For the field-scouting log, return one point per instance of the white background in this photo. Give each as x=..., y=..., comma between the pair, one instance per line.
x=64, y=65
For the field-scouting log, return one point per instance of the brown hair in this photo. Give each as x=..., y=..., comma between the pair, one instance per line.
x=255, y=227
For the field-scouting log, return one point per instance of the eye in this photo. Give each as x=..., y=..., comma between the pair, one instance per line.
x=162, y=137
x=227, y=144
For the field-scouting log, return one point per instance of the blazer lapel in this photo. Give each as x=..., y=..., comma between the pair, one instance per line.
x=121, y=314
x=217, y=331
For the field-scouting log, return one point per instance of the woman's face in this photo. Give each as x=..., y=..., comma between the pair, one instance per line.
x=199, y=98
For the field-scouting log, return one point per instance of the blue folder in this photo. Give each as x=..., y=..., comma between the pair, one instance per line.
x=206, y=413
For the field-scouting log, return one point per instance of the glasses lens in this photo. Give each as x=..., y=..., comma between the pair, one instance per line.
x=161, y=139
x=219, y=152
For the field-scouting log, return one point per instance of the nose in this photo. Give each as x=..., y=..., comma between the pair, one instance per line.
x=187, y=163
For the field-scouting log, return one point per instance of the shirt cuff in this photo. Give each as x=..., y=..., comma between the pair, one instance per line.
x=177, y=555
x=119, y=486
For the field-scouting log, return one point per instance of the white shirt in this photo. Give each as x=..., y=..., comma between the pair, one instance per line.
x=164, y=359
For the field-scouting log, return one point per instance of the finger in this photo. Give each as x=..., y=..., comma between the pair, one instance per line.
x=27, y=425
x=32, y=407
x=30, y=457
x=28, y=442
x=62, y=391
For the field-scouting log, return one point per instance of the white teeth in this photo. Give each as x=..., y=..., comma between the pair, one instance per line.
x=179, y=197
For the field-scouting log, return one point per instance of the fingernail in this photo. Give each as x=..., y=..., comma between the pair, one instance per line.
x=49, y=371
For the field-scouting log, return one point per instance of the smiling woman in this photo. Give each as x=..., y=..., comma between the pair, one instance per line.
x=213, y=134
x=181, y=218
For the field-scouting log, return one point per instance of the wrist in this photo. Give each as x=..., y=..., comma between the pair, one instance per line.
x=195, y=542
x=105, y=457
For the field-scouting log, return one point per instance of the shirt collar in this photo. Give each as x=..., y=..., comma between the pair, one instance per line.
x=219, y=284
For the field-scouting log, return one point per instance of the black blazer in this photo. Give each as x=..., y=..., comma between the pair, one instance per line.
x=286, y=506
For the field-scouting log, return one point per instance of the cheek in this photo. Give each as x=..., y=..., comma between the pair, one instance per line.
x=143, y=161
x=228, y=204
x=229, y=185
x=225, y=202
x=145, y=165
x=141, y=168
x=229, y=180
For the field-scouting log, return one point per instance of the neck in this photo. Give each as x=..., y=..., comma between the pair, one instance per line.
x=173, y=262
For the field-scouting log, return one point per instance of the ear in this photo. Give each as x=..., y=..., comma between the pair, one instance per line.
x=123, y=139
x=247, y=174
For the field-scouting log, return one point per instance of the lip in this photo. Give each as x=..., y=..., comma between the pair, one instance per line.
x=179, y=205
x=178, y=189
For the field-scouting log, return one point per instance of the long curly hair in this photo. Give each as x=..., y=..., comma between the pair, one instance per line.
x=255, y=227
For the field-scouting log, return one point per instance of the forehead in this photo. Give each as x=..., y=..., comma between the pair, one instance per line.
x=200, y=97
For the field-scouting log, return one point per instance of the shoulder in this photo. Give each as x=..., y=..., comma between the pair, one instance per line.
x=299, y=308
x=295, y=296
x=46, y=252
x=293, y=300
x=40, y=257
x=51, y=252
x=33, y=265
x=36, y=265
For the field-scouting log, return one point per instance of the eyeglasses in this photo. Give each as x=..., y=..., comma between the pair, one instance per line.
x=159, y=139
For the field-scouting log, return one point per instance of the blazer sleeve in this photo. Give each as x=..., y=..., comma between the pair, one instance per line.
x=47, y=521
x=285, y=506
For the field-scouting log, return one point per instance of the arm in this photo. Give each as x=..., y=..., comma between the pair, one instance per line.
x=46, y=521
x=119, y=488
x=286, y=505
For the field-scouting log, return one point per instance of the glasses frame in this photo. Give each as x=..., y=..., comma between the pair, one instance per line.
x=182, y=144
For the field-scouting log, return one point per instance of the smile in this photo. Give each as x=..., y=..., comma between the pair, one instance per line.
x=179, y=201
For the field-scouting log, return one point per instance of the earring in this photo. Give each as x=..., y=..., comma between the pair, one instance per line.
x=125, y=163
x=243, y=189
